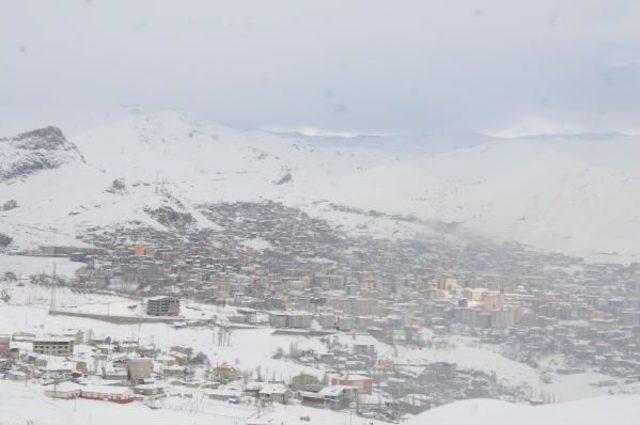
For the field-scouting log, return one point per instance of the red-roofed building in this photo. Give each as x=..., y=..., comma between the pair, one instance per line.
x=363, y=383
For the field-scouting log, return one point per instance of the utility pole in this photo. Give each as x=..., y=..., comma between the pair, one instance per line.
x=52, y=301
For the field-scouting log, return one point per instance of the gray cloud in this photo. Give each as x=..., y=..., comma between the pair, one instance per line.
x=404, y=66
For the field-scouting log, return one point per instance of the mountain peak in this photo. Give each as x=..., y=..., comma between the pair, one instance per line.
x=48, y=138
x=35, y=150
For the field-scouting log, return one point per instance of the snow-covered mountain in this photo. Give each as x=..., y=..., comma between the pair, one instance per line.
x=567, y=193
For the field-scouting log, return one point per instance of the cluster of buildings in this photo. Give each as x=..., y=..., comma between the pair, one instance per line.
x=371, y=383
x=78, y=364
x=308, y=274
x=284, y=269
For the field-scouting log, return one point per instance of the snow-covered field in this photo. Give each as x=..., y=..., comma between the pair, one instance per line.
x=25, y=266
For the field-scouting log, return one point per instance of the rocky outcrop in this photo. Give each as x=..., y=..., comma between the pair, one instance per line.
x=4, y=240
x=171, y=218
x=36, y=150
x=117, y=187
x=284, y=179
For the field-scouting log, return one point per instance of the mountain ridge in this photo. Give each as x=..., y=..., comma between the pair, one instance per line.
x=555, y=193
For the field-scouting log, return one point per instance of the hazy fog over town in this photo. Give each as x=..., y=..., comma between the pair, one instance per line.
x=321, y=212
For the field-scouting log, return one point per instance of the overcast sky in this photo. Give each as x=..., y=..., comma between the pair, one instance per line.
x=501, y=66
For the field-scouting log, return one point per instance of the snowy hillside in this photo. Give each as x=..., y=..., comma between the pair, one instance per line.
x=570, y=194
x=594, y=411
x=567, y=194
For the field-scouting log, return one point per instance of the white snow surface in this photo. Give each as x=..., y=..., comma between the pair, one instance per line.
x=24, y=266
x=620, y=410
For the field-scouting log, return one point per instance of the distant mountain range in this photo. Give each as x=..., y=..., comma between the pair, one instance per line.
x=574, y=194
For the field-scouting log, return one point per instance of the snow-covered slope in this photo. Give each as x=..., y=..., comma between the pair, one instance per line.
x=574, y=195
x=571, y=194
x=592, y=411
